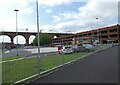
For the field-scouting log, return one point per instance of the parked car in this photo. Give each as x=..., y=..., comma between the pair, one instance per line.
x=66, y=50
x=75, y=48
x=78, y=48
x=89, y=47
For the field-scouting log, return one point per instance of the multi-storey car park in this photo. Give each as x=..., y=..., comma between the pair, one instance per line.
x=104, y=35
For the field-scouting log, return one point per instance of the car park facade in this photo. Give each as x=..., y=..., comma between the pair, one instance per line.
x=104, y=35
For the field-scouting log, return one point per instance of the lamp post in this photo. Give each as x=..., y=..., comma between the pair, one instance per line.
x=53, y=37
x=3, y=43
x=26, y=29
x=98, y=31
x=41, y=30
x=40, y=34
x=27, y=40
x=62, y=53
x=16, y=10
x=3, y=36
x=38, y=38
x=92, y=37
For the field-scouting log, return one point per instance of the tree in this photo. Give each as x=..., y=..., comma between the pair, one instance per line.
x=45, y=39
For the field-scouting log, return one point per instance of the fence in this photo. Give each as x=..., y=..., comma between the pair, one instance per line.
x=17, y=68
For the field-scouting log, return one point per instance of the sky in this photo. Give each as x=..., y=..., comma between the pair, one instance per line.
x=60, y=16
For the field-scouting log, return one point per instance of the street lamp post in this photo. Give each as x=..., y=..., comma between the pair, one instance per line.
x=40, y=35
x=41, y=30
x=16, y=10
x=26, y=29
x=27, y=40
x=98, y=31
x=92, y=37
x=3, y=36
x=62, y=53
x=38, y=38
x=62, y=40
x=3, y=43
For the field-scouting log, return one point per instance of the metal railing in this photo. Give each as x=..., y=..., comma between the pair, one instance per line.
x=22, y=68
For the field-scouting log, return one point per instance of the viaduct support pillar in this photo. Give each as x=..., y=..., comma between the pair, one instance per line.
x=27, y=41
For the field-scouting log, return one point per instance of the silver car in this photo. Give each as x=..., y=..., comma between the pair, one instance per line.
x=78, y=48
x=66, y=50
x=89, y=47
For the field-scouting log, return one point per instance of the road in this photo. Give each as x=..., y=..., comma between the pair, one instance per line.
x=101, y=67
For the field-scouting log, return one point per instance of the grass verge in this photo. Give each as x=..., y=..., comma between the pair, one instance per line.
x=17, y=70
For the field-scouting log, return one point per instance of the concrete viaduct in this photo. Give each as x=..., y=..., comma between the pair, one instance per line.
x=27, y=35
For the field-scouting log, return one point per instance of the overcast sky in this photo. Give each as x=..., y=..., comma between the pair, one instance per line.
x=58, y=15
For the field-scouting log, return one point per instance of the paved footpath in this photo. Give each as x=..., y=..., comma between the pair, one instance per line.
x=101, y=67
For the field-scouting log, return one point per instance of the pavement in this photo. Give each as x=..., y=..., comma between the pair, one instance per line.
x=14, y=52
x=41, y=54
x=42, y=49
x=101, y=67
x=30, y=51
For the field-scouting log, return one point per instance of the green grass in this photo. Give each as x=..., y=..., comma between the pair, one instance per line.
x=0, y=52
x=20, y=69
x=16, y=70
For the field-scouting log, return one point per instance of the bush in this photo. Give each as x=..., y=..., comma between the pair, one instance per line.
x=45, y=39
